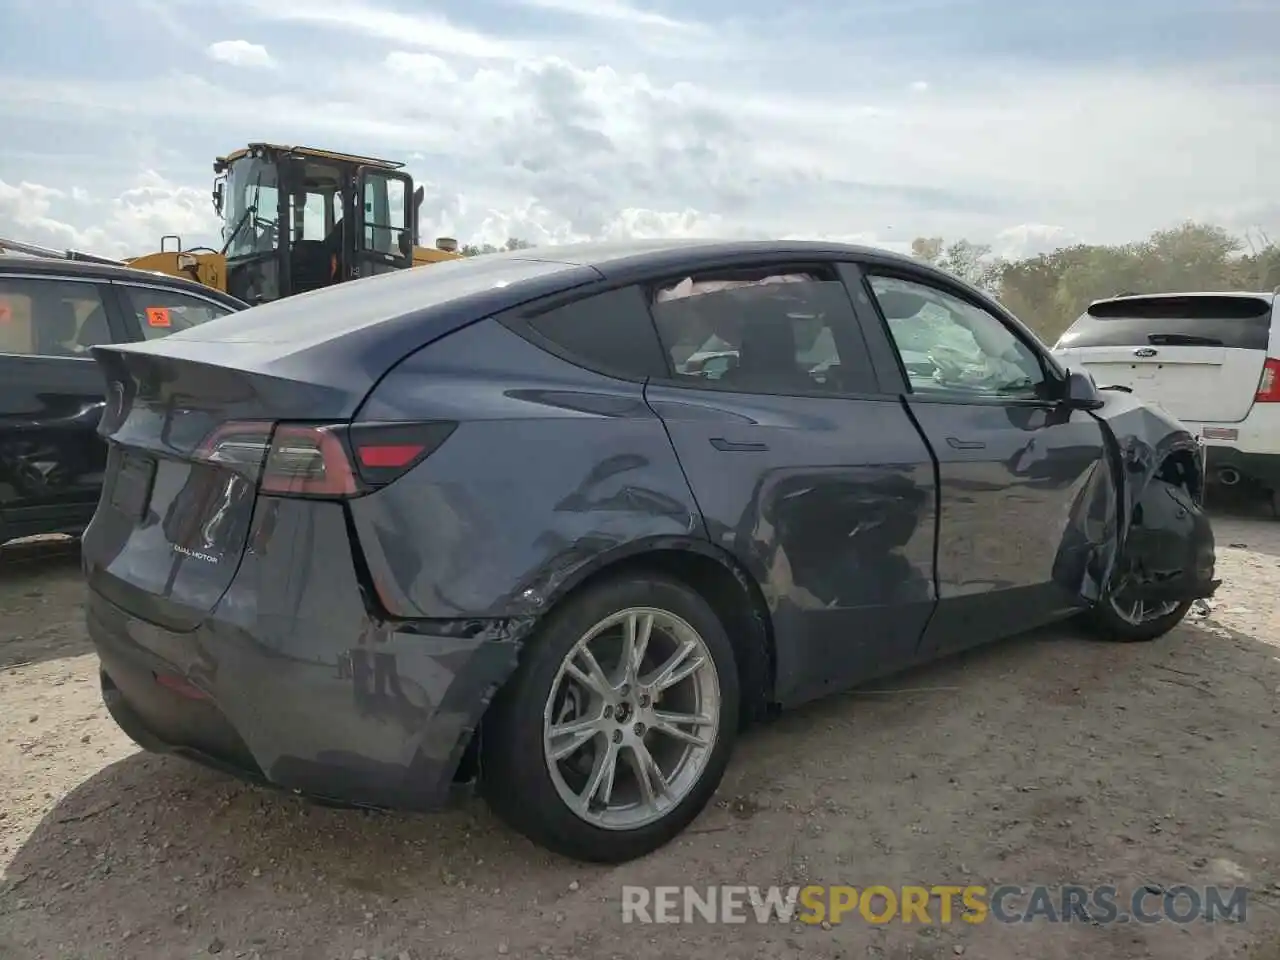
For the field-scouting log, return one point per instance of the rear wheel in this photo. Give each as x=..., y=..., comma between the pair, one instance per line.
x=617, y=727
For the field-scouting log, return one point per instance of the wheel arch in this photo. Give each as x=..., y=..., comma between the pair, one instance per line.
x=733, y=593
x=1184, y=467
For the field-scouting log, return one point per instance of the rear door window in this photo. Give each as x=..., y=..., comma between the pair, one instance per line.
x=51, y=318
x=1242, y=322
x=161, y=312
x=777, y=331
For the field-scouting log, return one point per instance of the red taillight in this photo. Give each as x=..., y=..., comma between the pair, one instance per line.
x=316, y=460
x=379, y=455
x=1269, y=383
x=307, y=461
x=240, y=445
x=385, y=451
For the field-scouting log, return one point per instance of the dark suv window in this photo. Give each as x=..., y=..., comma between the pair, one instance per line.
x=51, y=318
x=780, y=331
x=609, y=332
x=162, y=312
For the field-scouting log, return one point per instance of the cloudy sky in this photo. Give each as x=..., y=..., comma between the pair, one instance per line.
x=1024, y=123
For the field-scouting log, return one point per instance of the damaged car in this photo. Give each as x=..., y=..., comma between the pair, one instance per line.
x=485, y=526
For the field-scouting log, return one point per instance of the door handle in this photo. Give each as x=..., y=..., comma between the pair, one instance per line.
x=738, y=446
x=958, y=444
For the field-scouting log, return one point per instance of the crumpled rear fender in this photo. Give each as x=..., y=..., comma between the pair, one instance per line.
x=1139, y=518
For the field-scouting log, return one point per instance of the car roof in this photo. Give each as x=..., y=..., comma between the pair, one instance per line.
x=346, y=336
x=613, y=257
x=14, y=263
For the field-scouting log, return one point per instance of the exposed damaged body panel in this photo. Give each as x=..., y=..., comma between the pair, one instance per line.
x=1162, y=548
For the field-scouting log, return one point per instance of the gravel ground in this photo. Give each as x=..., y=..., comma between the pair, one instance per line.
x=1045, y=759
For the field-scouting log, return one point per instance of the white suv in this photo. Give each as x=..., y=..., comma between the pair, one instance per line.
x=1212, y=360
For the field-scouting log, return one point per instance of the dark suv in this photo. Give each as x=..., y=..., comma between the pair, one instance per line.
x=51, y=391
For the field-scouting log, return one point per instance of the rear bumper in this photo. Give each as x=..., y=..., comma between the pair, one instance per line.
x=1250, y=447
x=1256, y=469
x=384, y=726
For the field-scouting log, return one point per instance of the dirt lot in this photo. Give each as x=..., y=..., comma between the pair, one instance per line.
x=1047, y=759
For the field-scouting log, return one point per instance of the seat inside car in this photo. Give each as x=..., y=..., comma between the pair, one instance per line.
x=94, y=330
x=55, y=325
x=767, y=351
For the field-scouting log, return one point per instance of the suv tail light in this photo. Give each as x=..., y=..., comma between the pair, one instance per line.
x=1269, y=382
x=322, y=460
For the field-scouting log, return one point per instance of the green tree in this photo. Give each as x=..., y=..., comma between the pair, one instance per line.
x=513, y=243
x=968, y=261
x=1049, y=291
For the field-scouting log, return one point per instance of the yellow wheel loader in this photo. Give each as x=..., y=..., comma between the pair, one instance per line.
x=297, y=219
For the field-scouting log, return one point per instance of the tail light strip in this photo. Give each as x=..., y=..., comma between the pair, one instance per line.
x=322, y=460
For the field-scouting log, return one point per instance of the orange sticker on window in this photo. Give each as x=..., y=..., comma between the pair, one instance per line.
x=157, y=316
x=6, y=312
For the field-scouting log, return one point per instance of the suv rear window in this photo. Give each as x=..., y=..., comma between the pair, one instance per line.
x=1221, y=320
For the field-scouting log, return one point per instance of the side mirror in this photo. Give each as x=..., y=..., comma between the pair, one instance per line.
x=1081, y=392
x=218, y=197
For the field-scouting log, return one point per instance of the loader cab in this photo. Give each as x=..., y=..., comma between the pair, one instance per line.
x=297, y=219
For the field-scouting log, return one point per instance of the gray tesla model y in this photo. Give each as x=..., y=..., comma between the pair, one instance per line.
x=556, y=523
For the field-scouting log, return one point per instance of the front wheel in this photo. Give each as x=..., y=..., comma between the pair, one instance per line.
x=617, y=727
x=1127, y=620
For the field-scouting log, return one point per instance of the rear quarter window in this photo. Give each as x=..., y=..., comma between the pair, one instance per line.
x=1241, y=322
x=611, y=333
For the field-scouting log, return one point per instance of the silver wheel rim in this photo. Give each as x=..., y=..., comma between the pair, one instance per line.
x=631, y=719
x=1138, y=612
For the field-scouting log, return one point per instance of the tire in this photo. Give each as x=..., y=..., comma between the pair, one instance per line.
x=517, y=777
x=1105, y=622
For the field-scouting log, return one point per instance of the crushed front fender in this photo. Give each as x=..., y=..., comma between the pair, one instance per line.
x=1163, y=547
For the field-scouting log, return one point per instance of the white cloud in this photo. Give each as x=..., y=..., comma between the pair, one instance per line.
x=613, y=10
x=1031, y=239
x=556, y=128
x=240, y=53
x=129, y=224
x=426, y=30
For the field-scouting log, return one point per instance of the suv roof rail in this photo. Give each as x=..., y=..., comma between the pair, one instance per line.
x=48, y=253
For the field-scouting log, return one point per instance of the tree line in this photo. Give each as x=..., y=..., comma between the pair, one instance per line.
x=1048, y=291
x=474, y=250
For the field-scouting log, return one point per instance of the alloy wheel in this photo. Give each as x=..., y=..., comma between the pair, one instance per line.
x=632, y=718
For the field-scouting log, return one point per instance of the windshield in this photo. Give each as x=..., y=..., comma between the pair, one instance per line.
x=249, y=215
